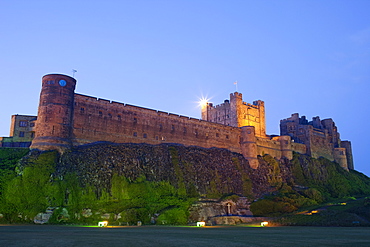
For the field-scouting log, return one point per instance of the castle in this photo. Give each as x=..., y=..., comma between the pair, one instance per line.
x=66, y=119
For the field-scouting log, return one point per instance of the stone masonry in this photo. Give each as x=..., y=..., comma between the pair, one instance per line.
x=66, y=119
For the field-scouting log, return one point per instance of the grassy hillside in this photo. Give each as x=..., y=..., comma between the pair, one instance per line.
x=140, y=182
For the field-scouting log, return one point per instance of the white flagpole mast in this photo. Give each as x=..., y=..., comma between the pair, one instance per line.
x=236, y=86
x=74, y=71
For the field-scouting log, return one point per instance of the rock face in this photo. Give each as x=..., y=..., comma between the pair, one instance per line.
x=220, y=183
x=204, y=171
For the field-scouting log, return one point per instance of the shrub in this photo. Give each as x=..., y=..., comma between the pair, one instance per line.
x=174, y=216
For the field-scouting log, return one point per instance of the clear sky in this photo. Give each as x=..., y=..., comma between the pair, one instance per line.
x=310, y=57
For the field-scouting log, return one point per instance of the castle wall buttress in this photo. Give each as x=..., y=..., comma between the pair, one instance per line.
x=286, y=147
x=340, y=157
x=248, y=144
x=55, y=113
x=347, y=145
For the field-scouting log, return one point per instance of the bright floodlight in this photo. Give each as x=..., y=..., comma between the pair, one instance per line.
x=201, y=223
x=103, y=223
x=265, y=223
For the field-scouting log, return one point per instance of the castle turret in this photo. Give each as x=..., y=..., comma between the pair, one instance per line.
x=340, y=157
x=347, y=145
x=236, y=103
x=248, y=144
x=55, y=113
x=206, y=107
x=286, y=147
x=260, y=118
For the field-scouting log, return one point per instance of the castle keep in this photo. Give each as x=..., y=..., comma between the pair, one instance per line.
x=66, y=119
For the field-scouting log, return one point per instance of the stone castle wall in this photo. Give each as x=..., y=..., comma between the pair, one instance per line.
x=320, y=137
x=102, y=120
x=67, y=119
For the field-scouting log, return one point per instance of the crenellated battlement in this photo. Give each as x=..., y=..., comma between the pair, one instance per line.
x=66, y=119
x=320, y=136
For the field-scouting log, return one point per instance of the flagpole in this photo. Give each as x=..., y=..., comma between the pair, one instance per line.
x=236, y=85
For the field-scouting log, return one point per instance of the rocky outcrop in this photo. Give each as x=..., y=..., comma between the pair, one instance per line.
x=204, y=171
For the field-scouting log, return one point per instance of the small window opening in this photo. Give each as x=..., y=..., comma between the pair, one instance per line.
x=23, y=123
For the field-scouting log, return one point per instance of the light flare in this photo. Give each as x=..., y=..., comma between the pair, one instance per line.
x=203, y=101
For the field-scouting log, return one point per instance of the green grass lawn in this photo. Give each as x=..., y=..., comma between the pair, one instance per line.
x=44, y=235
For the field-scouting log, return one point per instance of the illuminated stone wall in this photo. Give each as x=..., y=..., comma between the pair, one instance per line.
x=67, y=119
x=102, y=120
x=237, y=113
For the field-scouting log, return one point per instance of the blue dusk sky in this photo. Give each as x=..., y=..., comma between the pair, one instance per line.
x=307, y=57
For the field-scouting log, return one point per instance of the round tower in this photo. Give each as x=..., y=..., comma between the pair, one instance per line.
x=248, y=145
x=55, y=113
x=286, y=147
x=340, y=157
